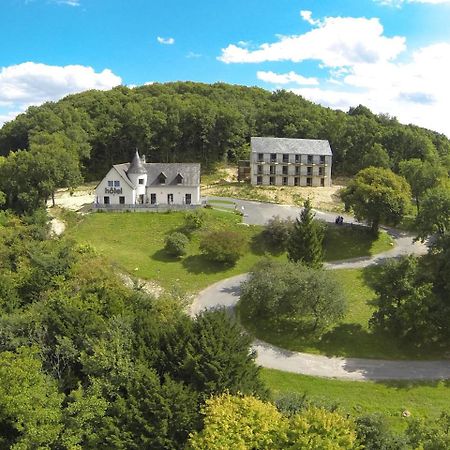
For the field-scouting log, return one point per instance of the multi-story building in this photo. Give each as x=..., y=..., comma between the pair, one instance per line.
x=290, y=162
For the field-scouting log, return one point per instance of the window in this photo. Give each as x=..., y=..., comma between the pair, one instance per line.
x=285, y=181
x=140, y=199
x=309, y=182
x=106, y=200
x=188, y=199
x=285, y=170
x=285, y=158
x=272, y=170
x=116, y=183
x=273, y=157
x=153, y=199
x=110, y=183
x=309, y=171
x=297, y=181
x=297, y=170
x=141, y=181
x=271, y=181
x=169, y=199
x=310, y=159
x=179, y=179
x=122, y=200
x=162, y=178
x=260, y=157
x=297, y=158
x=322, y=159
x=320, y=171
x=260, y=170
x=259, y=180
x=322, y=182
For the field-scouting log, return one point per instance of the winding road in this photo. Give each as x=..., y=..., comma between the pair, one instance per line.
x=226, y=293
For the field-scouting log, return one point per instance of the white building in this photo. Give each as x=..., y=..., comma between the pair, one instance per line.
x=140, y=183
x=290, y=162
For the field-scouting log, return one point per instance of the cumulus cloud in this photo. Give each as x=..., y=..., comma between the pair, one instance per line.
x=32, y=83
x=415, y=91
x=286, y=78
x=335, y=41
x=165, y=41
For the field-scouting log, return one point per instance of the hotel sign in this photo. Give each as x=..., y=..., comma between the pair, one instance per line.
x=113, y=190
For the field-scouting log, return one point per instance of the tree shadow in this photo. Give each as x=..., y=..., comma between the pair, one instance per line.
x=371, y=275
x=162, y=256
x=260, y=246
x=198, y=264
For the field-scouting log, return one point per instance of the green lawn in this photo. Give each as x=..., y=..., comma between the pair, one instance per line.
x=135, y=242
x=350, y=337
x=425, y=400
x=345, y=242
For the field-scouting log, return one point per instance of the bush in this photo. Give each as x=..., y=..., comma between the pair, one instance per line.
x=222, y=246
x=277, y=232
x=194, y=220
x=176, y=244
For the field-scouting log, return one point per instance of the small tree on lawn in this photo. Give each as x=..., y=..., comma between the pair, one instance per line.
x=176, y=244
x=305, y=243
x=222, y=246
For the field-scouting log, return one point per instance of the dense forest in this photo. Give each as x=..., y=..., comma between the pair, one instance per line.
x=188, y=121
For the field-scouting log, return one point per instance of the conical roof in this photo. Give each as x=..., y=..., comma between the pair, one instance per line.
x=136, y=165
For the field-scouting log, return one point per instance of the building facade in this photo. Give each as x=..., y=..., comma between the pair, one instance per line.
x=149, y=184
x=290, y=162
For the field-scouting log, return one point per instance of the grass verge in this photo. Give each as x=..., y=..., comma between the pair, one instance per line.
x=390, y=399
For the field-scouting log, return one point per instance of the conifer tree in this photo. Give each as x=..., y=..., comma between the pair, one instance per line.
x=305, y=244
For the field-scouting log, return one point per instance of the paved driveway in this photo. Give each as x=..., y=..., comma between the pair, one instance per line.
x=226, y=293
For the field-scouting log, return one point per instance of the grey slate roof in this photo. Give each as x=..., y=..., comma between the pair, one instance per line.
x=287, y=145
x=136, y=165
x=189, y=171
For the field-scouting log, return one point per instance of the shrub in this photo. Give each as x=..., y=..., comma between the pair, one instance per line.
x=277, y=232
x=193, y=220
x=222, y=246
x=176, y=244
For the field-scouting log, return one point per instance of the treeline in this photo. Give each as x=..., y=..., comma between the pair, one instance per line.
x=188, y=121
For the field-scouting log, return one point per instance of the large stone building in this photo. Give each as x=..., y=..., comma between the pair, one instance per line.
x=290, y=162
x=149, y=184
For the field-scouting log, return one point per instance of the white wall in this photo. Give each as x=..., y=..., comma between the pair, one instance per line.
x=178, y=192
x=123, y=190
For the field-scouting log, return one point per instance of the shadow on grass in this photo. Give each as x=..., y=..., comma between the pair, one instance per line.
x=199, y=264
x=260, y=246
x=162, y=256
x=348, y=241
x=371, y=275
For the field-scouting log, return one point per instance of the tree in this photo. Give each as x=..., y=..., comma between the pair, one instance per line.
x=377, y=195
x=277, y=232
x=305, y=243
x=421, y=175
x=30, y=405
x=377, y=156
x=222, y=246
x=281, y=291
x=176, y=244
x=213, y=357
x=430, y=435
x=434, y=216
x=248, y=423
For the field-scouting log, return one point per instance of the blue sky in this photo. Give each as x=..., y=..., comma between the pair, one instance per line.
x=391, y=55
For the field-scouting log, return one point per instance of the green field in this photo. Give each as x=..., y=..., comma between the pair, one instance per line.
x=351, y=337
x=134, y=242
x=425, y=400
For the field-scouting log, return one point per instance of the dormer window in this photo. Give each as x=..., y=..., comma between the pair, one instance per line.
x=162, y=178
x=179, y=179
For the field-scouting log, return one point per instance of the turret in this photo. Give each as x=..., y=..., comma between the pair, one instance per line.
x=138, y=176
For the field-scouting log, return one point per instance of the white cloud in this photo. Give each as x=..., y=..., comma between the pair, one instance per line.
x=31, y=83
x=165, y=41
x=193, y=55
x=67, y=2
x=415, y=91
x=307, y=16
x=286, y=78
x=336, y=41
